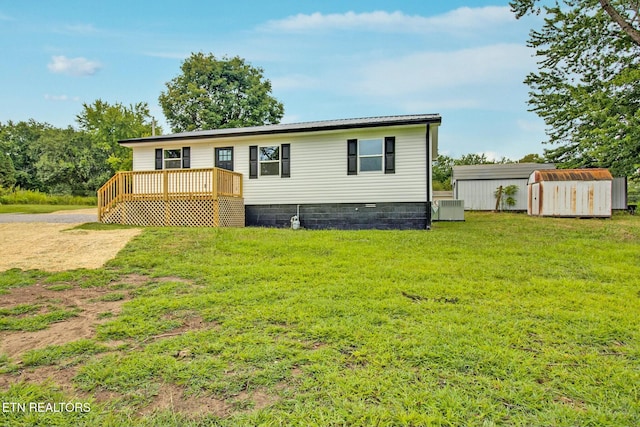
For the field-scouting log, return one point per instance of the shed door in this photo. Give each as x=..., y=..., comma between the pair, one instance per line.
x=534, y=199
x=224, y=158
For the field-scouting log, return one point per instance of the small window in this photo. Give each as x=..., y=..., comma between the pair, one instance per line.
x=173, y=159
x=269, y=160
x=370, y=155
x=224, y=155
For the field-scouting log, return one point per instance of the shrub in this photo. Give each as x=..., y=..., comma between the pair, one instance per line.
x=505, y=197
x=30, y=197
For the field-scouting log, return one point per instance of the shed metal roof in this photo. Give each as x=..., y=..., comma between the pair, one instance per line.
x=572, y=175
x=497, y=171
x=323, y=125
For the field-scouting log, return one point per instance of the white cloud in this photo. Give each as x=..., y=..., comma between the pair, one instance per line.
x=441, y=102
x=61, y=98
x=467, y=18
x=73, y=66
x=464, y=18
x=291, y=118
x=440, y=70
x=82, y=29
x=491, y=155
x=294, y=82
x=4, y=17
x=534, y=126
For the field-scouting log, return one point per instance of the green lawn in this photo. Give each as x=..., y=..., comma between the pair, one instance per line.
x=501, y=320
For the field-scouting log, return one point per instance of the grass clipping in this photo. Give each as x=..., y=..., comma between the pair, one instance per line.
x=59, y=247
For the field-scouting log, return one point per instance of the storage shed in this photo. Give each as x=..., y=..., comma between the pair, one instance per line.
x=570, y=193
x=476, y=184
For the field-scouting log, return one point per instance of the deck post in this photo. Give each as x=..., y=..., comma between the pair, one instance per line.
x=100, y=202
x=215, y=183
x=165, y=197
x=216, y=204
x=121, y=194
x=165, y=185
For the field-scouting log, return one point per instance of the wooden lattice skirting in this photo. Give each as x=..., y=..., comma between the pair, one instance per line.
x=221, y=212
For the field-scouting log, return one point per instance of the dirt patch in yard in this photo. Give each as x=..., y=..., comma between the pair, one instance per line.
x=91, y=305
x=173, y=398
x=58, y=247
x=89, y=301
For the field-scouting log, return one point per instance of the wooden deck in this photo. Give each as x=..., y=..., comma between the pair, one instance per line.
x=178, y=197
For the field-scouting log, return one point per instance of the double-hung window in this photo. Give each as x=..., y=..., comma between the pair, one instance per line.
x=270, y=160
x=371, y=155
x=174, y=158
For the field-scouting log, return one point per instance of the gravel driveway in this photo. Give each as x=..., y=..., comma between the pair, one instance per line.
x=60, y=217
x=54, y=244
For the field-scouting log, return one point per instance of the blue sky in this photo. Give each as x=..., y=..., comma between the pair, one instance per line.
x=326, y=60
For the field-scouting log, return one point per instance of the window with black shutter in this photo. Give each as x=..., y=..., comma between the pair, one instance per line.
x=285, y=160
x=186, y=157
x=159, y=158
x=352, y=157
x=390, y=154
x=253, y=162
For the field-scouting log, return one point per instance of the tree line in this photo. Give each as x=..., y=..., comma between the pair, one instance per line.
x=210, y=93
x=443, y=166
x=77, y=161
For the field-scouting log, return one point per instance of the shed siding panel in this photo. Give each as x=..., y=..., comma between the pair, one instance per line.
x=576, y=198
x=478, y=195
x=619, y=193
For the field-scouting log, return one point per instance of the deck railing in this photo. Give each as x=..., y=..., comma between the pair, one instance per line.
x=187, y=184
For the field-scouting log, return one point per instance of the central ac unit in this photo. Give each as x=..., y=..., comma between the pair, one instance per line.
x=450, y=210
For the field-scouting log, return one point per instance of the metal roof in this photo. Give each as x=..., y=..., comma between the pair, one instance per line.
x=296, y=127
x=572, y=175
x=497, y=171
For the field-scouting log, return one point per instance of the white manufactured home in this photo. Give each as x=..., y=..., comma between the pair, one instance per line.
x=346, y=174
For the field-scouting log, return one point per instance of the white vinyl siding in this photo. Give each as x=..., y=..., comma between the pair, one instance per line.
x=144, y=156
x=319, y=171
x=318, y=166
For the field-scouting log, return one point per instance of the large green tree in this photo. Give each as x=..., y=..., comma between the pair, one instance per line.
x=79, y=161
x=7, y=171
x=587, y=87
x=68, y=162
x=213, y=93
x=107, y=124
x=20, y=142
